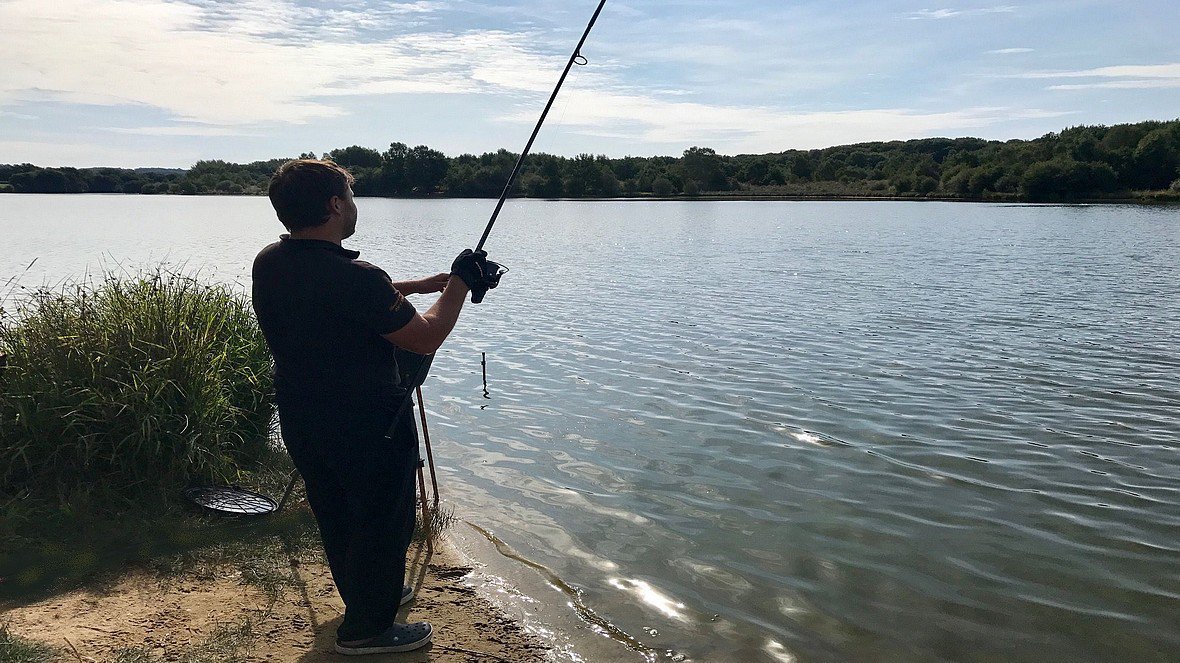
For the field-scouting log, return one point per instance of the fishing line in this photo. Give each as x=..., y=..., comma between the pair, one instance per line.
x=565, y=106
x=576, y=58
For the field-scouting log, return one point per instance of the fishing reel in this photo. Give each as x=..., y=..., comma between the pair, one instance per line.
x=490, y=273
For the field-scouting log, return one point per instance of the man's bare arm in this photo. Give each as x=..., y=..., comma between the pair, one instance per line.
x=425, y=333
x=423, y=286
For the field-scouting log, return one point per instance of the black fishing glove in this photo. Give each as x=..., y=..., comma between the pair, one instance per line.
x=471, y=267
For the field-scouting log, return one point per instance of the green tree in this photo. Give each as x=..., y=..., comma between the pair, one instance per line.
x=703, y=167
x=549, y=182
x=662, y=187
x=828, y=170
x=802, y=166
x=44, y=180
x=104, y=181
x=356, y=156
x=425, y=170
x=1156, y=158
x=1066, y=179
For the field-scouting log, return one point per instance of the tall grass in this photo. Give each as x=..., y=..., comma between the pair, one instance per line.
x=130, y=385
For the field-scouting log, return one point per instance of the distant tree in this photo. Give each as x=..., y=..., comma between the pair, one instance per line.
x=754, y=171
x=1065, y=179
x=802, y=166
x=853, y=174
x=21, y=182
x=103, y=182
x=1156, y=158
x=45, y=180
x=425, y=170
x=1083, y=161
x=1123, y=137
x=703, y=166
x=662, y=186
x=548, y=182
x=983, y=179
x=608, y=185
x=356, y=156
x=626, y=168
x=583, y=176
x=828, y=170
x=926, y=184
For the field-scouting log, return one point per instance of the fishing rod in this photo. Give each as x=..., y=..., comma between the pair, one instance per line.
x=575, y=58
x=413, y=366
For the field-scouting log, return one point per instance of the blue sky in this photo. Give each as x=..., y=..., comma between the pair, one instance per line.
x=167, y=82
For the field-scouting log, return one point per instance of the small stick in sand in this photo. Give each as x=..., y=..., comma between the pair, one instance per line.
x=78, y=656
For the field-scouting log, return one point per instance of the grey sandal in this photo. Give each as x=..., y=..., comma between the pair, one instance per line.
x=397, y=638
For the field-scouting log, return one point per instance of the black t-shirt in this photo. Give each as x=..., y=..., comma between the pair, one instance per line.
x=323, y=312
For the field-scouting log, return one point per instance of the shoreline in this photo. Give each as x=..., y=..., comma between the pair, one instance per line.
x=1159, y=199
x=154, y=618
x=544, y=604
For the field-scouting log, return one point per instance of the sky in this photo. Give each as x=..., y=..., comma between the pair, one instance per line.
x=164, y=83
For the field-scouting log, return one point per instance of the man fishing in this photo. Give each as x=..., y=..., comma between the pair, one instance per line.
x=332, y=323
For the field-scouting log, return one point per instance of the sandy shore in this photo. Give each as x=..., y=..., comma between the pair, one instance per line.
x=167, y=617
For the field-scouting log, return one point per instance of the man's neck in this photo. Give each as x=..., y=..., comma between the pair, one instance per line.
x=324, y=232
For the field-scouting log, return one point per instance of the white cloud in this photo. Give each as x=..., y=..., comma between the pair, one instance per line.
x=938, y=14
x=1127, y=77
x=180, y=130
x=125, y=154
x=736, y=129
x=1009, y=51
x=1153, y=84
x=933, y=14
x=258, y=63
x=1171, y=70
x=17, y=116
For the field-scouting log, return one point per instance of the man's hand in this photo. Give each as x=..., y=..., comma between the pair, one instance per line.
x=434, y=283
x=471, y=267
x=423, y=286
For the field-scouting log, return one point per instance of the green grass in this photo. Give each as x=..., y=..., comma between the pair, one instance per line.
x=229, y=643
x=115, y=395
x=131, y=385
x=14, y=649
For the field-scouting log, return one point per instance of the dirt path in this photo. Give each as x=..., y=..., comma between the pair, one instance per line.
x=170, y=619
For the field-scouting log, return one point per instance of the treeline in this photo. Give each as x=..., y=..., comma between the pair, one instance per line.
x=1139, y=160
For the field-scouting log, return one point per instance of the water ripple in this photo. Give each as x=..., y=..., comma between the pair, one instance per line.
x=849, y=431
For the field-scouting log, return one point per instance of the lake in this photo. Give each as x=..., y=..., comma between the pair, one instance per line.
x=780, y=431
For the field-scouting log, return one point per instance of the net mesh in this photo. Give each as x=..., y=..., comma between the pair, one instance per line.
x=231, y=500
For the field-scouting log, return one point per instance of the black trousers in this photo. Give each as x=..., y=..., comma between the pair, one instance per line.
x=359, y=476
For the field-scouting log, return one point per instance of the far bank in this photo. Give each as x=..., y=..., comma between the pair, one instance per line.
x=1086, y=163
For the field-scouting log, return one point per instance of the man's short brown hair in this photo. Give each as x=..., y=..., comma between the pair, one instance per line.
x=301, y=189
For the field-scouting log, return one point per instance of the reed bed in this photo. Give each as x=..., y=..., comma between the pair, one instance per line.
x=132, y=385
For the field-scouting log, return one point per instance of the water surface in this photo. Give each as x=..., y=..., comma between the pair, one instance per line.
x=782, y=431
